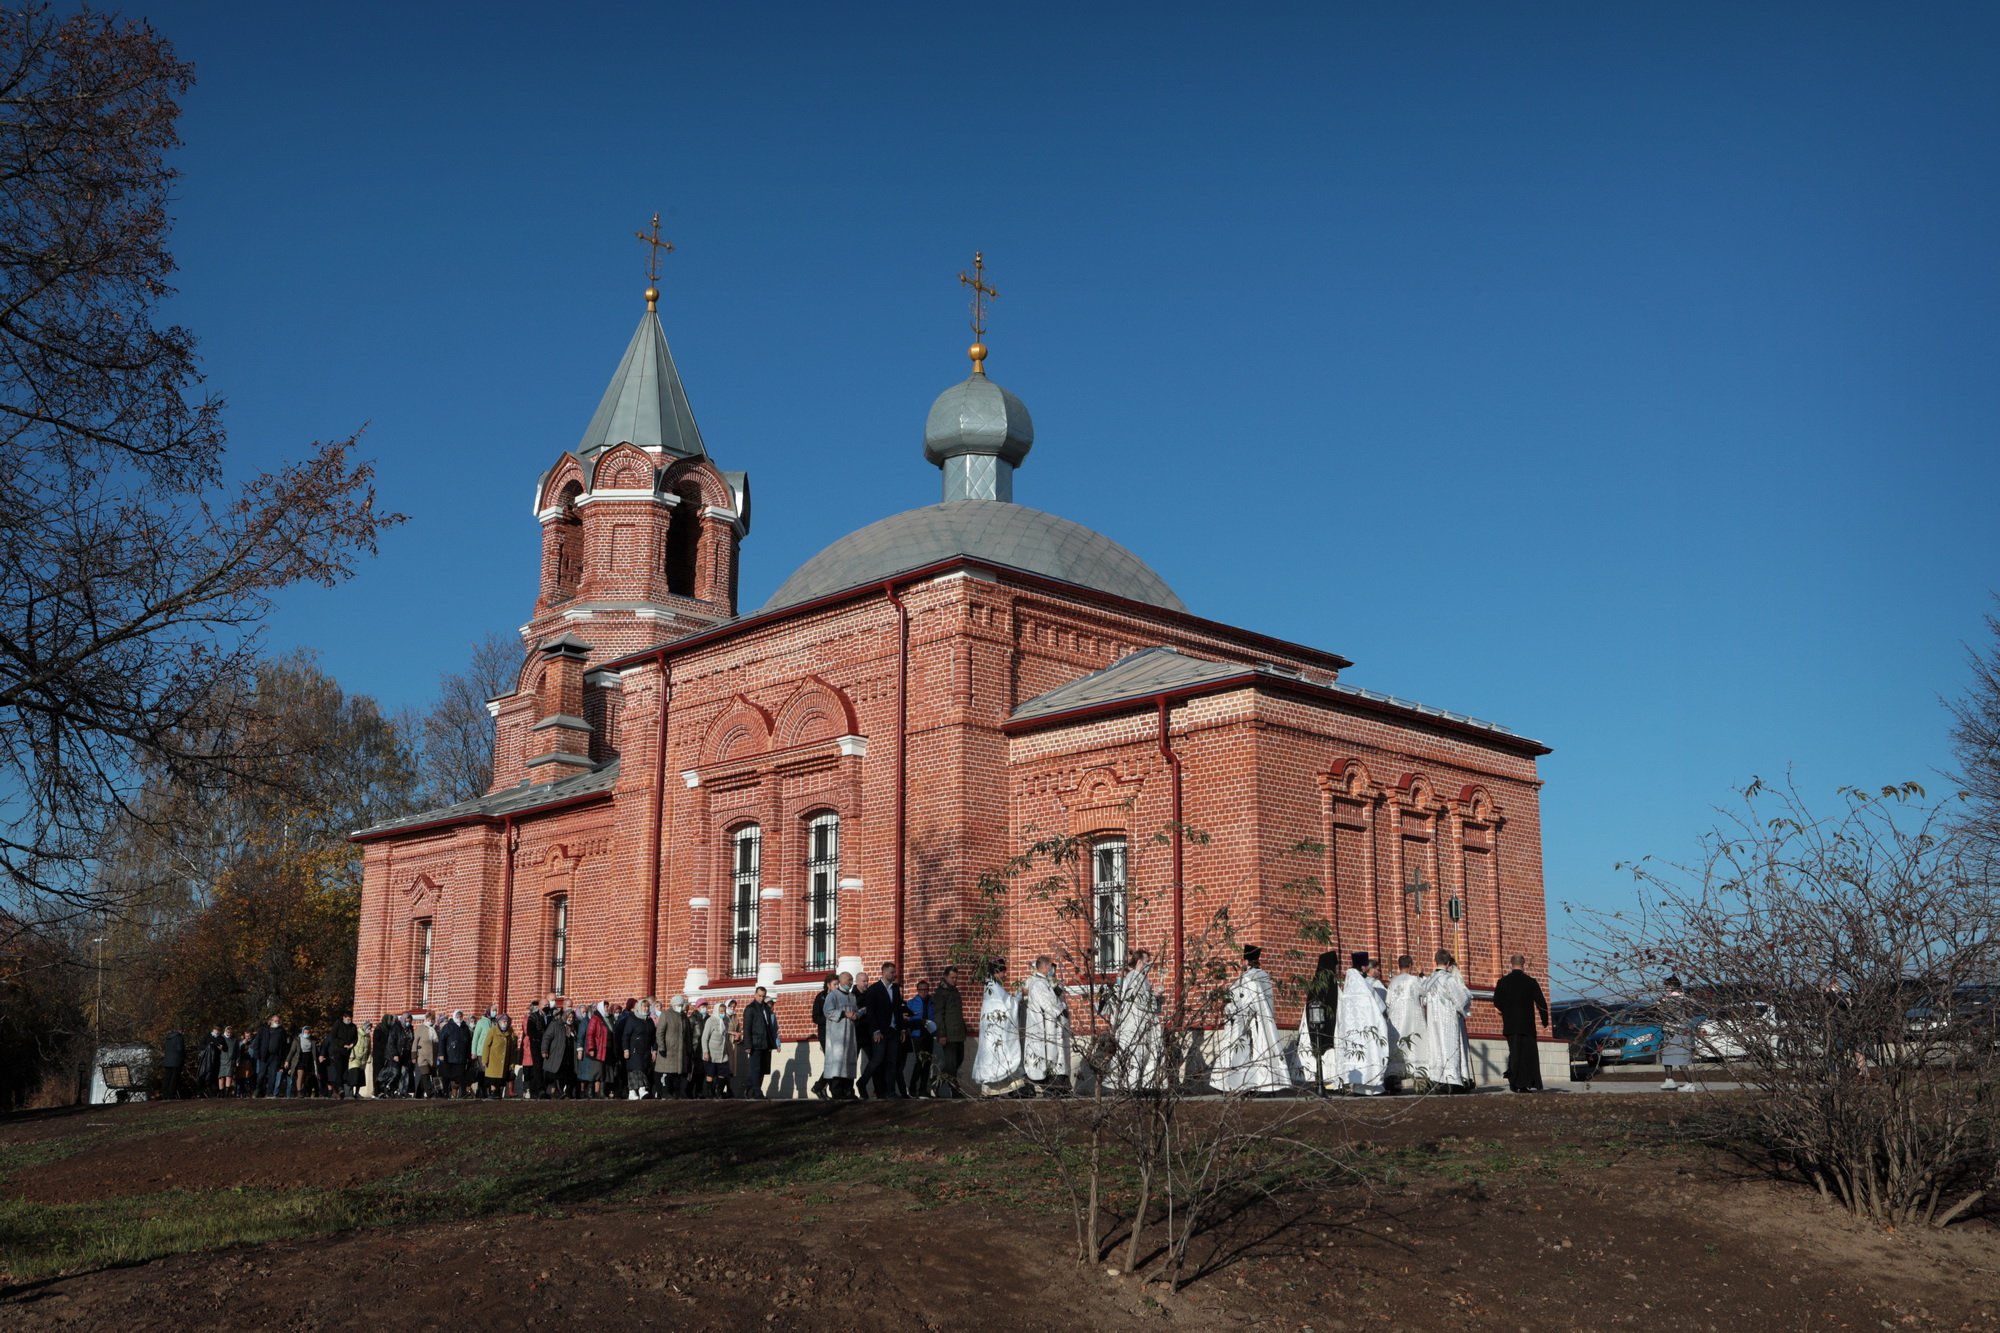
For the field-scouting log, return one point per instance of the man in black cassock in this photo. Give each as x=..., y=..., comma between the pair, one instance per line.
x=1519, y=999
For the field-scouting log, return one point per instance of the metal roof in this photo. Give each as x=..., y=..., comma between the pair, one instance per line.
x=645, y=403
x=1148, y=671
x=513, y=801
x=978, y=417
x=1005, y=534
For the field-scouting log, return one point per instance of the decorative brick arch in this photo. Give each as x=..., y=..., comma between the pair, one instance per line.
x=816, y=711
x=623, y=467
x=743, y=730
x=1475, y=804
x=700, y=475
x=1101, y=802
x=1349, y=778
x=1415, y=793
x=568, y=469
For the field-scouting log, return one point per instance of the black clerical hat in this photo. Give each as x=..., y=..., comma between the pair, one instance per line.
x=1361, y=960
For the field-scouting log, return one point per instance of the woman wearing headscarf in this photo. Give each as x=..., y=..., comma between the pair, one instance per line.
x=559, y=1055
x=497, y=1056
x=671, y=1046
x=715, y=1050
x=596, y=1047
x=357, y=1060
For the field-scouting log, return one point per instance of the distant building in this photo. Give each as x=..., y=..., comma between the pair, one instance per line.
x=688, y=796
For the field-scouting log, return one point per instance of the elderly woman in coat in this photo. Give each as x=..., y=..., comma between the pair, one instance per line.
x=498, y=1056
x=558, y=1055
x=715, y=1049
x=671, y=1045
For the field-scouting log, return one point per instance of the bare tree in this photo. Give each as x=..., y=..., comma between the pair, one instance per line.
x=457, y=732
x=131, y=582
x=1847, y=961
x=1975, y=740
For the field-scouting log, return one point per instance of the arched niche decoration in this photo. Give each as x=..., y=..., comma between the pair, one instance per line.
x=1416, y=801
x=1350, y=791
x=623, y=467
x=816, y=712
x=741, y=731
x=1478, y=816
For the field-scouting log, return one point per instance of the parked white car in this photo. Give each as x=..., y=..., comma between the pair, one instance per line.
x=1732, y=1033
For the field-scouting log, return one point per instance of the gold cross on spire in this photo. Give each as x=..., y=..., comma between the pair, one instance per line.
x=980, y=294
x=653, y=262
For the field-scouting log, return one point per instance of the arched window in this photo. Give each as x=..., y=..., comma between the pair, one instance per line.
x=822, y=890
x=569, y=552
x=684, y=540
x=559, y=944
x=1108, y=900
x=747, y=844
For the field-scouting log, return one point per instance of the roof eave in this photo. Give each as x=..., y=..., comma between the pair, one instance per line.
x=1318, y=656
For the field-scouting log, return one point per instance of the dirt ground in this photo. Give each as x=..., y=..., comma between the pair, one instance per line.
x=1532, y=1216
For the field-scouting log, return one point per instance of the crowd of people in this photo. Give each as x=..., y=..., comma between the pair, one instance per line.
x=1357, y=1034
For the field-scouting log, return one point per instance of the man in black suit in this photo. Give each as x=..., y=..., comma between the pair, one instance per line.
x=760, y=1038
x=882, y=1016
x=1519, y=999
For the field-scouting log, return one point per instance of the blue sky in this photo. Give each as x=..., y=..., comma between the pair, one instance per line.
x=1622, y=373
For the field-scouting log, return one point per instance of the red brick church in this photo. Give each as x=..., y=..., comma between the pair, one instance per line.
x=693, y=794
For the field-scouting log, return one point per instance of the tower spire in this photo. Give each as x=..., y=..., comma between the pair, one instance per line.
x=981, y=293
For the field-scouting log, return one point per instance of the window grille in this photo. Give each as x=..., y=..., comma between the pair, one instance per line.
x=748, y=882
x=1107, y=884
x=822, y=891
x=559, y=945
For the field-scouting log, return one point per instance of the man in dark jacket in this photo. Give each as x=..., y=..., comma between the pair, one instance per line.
x=950, y=1035
x=173, y=1055
x=882, y=1021
x=454, y=1051
x=268, y=1049
x=339, y=1051
x=1519, y=999
x=760, y=1038
x=538, y=1024
x=636, y=1034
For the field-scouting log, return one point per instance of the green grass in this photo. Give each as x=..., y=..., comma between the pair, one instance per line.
x=543, y=1161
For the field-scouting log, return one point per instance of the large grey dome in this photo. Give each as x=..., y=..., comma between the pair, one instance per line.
x=1006, y=534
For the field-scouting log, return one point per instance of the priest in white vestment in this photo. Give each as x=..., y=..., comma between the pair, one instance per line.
x=1406, y=1020
x=1138, y=1060
x=1447, y=1002
x=1045, y=1029
x=1313, y=1056
x=843, y=1036
x=1248, y=1059
x=996, y=1064
x=1361, y=1033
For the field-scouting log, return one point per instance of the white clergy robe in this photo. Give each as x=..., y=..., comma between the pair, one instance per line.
x=1248, y=1059
x=1044, y=1031
x=1406, y=1021
x=997, y=1063
x=1446, y=1004
x=1140, y=1059
x=1361, y=1039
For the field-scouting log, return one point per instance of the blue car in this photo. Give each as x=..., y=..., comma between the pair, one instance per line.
x=1627, y=1038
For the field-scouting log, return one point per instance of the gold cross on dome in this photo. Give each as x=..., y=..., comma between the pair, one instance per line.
x=981, y=293
x=656, y=247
